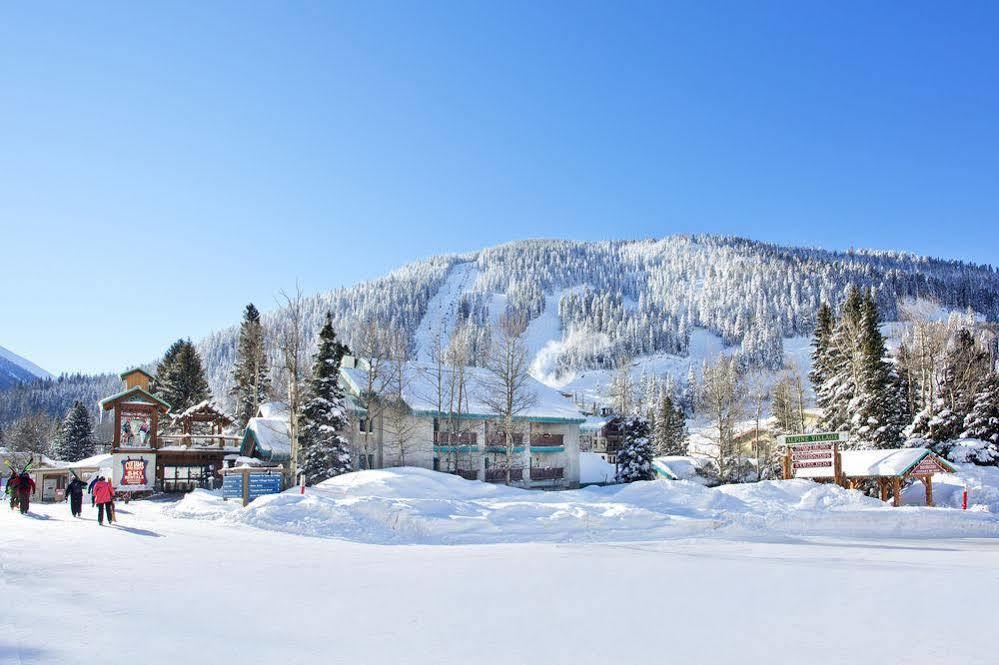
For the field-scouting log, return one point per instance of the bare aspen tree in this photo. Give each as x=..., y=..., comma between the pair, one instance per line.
x=372, y=348
x=399, y=425
x=290, y=338
x=723, y=402
x=622, y=390
x=506, y=388
x=758, y=391
x=457, y=359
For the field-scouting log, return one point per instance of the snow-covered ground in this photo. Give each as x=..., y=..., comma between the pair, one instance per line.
x=163, y=588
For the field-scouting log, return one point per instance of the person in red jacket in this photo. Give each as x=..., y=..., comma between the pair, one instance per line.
x=103, y=495
x=25, y=486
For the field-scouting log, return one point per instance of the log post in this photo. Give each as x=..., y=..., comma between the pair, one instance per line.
x=896, y=491
x=928, y=483
x=883, y=487
x=837, y=466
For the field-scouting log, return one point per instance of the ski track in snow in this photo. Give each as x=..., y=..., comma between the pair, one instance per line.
x=442, y=309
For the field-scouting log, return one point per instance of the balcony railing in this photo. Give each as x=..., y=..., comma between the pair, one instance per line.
x=495, y=475
x=206, y=441
x=455, y=438
x=547, y=439
x=547, y=473
x=499, y=439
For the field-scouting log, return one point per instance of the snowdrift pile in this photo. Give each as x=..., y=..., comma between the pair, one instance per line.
x=417, y=506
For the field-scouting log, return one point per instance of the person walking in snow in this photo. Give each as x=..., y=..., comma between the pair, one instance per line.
x=103, y=494
x=74, y=492
x=11, y=488
x=25, y=486
x=90, y=488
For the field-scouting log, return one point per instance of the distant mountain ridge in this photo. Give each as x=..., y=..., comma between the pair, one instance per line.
x=17, y=370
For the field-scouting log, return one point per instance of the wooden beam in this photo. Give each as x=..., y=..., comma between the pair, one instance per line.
x=896, y=491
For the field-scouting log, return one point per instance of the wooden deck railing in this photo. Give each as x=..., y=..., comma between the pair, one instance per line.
x=499, y=439
x=547, y=473
x=455, y=438
x=495, y=475
x=199, y=440
x=547, y=440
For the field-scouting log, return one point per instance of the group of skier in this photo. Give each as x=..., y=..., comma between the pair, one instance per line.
x=20, y=487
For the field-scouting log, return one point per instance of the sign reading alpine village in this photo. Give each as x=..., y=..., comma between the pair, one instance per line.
x=813, y=451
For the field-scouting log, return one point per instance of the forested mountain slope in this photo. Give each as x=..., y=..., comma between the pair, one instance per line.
x=592, y=304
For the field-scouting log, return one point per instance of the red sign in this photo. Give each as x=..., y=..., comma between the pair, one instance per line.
x=133, y=472
x=826, y=455
x=927, y=467
x=813, y=447
x=811, y=465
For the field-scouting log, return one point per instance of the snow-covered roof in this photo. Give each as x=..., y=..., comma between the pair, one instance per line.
x=595, y=423
x=272, y=410
x=550, y=405
x=677, y=467
x=205, y=406
x=137, y=391
x=873, y=463
x=270, y=436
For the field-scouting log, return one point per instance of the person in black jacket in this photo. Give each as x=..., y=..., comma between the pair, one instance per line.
x=90, y=489
x=74, y=492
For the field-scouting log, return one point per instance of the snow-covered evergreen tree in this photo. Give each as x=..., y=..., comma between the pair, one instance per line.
x=877, y=409
x=634, y=460
x=75, y=439
x=180, y=377
x=983, y=420
x=324, y=452
x=669, y=432
x=251, y=374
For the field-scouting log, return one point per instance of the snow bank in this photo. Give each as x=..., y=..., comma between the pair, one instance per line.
x=203, y=505
x=595, y=469
x=418, y=506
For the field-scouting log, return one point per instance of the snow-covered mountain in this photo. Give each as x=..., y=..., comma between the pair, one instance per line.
x=17, y=370
x=666, y=302
x=593, y=304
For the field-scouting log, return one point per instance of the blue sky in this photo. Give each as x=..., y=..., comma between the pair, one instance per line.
x=161, y=166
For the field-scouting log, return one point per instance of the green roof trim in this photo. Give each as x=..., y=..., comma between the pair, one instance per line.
x=664, y=470
x=255, y=451
x=133, y=371
x=132, y=391
x=547, y=449
x=502, y=449
x=460, y=449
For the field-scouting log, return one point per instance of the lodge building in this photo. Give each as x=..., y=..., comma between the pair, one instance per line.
x=146, y=459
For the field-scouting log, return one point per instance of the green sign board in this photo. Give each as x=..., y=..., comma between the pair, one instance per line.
x=818, y=437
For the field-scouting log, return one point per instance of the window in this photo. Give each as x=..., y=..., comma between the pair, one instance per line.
x=364, y=425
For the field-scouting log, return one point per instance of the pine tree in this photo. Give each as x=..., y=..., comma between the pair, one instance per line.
x=842, y=365
x=821, y=343
x=983, y=420
x=251, y=374
x=76, y=439
x=634, y=460
x=877, y=407
x=669, y=433
x=180, y=377
x=324, y=452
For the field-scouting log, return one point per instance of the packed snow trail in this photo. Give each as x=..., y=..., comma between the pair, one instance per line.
x=158, y=590
x=442, y=310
